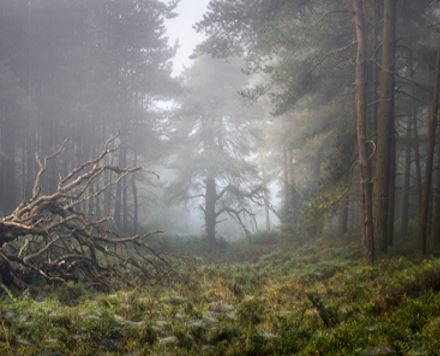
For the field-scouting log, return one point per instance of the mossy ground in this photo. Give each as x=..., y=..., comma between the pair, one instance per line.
x=322, y=299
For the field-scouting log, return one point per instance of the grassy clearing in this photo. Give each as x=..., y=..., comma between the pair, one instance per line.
x=316, y=300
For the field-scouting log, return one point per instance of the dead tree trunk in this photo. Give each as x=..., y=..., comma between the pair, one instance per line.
x=49, y=236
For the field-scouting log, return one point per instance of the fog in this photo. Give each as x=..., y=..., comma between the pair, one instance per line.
x=236, y=129
x=181, y=30
x=85, y=71
x=219, y=177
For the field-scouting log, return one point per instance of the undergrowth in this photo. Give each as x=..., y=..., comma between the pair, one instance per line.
x=321, y=299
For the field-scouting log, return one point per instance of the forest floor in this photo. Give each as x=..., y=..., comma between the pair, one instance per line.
x=263, y=298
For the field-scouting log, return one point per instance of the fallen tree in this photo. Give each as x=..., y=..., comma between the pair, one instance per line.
x=49, y=237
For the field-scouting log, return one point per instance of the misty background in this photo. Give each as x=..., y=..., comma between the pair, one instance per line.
x=87, y=70
x=241, y=114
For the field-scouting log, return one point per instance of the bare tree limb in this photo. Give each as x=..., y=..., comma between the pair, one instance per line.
x=48, y=236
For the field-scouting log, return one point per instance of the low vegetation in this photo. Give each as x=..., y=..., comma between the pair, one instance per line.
x=320, y=299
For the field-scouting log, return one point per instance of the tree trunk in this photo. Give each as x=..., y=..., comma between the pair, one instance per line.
x=392, y=188
x=266, y=200
x=417, y=161
x=124, y=195
x=210, y=212
x=98, y=197
x=415, y=137
x=286, y=187
x=108, y=193
x=436, y=206
x=8, y=181
x=30, y=162
x=267, y=216
x=360, y=84
x=118, y=198
x=372, y=48
x=427, y=186
x=135, y=199
x=385, y=128
x=407, y=183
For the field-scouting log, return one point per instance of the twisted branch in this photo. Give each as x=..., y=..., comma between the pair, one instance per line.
x=47, y=236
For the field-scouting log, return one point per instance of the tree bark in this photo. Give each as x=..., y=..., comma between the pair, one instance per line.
x=372, y=48
x=392, y=187
x=124, y=195
x=8, y=180
x=436, y=206
x=210, y=212
x=267, y=213
x=385, y=129
x=135, y=199
x=286, y=186
x=108, y=193
x=427, y=186
x=118, y=198
x=407, y=182
x=267, y=202
x=415, y=137
x=360, y=100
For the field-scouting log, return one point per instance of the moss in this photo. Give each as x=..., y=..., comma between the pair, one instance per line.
x=317, y=300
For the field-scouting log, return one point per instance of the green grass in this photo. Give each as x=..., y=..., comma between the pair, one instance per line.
x=321, y=299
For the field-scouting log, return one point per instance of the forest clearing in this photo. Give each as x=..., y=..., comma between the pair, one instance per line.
x=323, y=299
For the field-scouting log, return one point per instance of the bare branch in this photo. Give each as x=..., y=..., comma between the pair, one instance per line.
x=47, y=236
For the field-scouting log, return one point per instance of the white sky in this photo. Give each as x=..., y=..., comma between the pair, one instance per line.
x=181, y=29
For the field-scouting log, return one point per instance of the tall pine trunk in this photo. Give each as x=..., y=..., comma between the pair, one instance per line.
x=385, y=130
x=407, y=180
x=286, y=188
x=392, y=188
x=361, y=121
x=436, y=205
x=415, y=136
x=210, y=212
x=124, y=194
x=135, y=197
x=427, y=185
x=8, y=180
